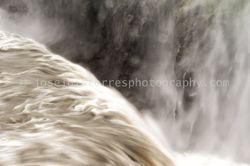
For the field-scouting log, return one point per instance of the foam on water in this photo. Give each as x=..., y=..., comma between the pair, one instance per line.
x=213, y=130
x=54, y=112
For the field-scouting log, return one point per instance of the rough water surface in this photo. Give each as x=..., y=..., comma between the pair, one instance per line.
x=53, y=112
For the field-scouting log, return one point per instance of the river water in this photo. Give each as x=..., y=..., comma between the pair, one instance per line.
x=202, y=44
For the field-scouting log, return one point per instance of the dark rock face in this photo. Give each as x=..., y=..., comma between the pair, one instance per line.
x=114, y=39
x=128, y=39
x=108, y=37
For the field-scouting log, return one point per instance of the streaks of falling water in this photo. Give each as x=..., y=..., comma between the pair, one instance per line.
x=201, y=40
x=211, y=48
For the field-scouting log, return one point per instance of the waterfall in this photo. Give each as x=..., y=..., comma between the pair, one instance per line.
x=209, y=51
x=195, y=51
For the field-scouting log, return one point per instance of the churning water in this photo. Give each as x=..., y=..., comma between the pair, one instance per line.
x=54, y=112
x=203, y=42
x=216, y=121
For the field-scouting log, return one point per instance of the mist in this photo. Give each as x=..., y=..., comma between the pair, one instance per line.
x=201, y=41
x=212, y=118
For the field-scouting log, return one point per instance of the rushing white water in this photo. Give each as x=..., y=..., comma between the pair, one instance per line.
x=53, y=112
x=217, y=120
x=214, y=129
